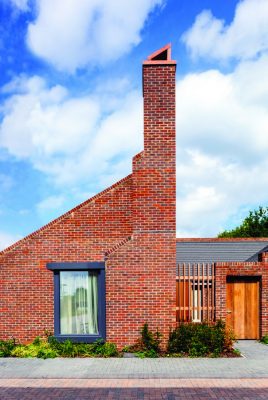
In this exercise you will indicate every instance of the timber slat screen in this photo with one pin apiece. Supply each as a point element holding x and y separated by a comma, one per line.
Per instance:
<point>195,292</point>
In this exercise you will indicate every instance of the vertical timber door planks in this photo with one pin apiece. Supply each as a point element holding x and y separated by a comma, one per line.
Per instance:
<point>243,306</point>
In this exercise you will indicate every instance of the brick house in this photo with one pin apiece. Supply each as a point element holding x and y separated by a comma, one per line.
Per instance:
<point>109,265</point>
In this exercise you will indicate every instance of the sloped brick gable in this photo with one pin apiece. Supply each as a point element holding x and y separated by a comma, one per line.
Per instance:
<point>130,225</point>
<point>83,234</point>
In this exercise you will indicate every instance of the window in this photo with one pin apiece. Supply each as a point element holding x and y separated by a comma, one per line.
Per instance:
<point>79,301</point>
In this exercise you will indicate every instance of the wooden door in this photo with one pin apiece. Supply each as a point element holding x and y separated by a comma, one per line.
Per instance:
<point>243,308</point>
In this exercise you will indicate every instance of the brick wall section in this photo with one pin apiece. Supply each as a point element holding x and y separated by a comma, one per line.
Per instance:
<point>83,234</point>
<point>131,225</point>
<point>143,287</point>
<point>243,269</point>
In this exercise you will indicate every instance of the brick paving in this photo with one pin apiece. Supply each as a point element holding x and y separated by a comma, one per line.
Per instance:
<point>133,389</point>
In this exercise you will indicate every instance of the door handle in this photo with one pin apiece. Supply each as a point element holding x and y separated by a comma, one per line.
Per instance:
<point>228,311</point>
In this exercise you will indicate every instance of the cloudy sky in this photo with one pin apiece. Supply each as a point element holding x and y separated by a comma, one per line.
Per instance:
<point>71,105</point>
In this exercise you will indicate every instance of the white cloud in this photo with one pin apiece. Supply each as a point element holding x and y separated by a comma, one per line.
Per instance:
<point>86,143</point>
<point>7,239</point>
<point>222,146</point>
<point>244,38</point>
<point>69,138</point>
<point>212,191</point>
<point>76,33</point>
<point>20,4</point>
<point>225,116</point>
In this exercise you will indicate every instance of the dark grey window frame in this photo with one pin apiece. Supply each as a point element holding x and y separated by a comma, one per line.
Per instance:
<point>98,267</point>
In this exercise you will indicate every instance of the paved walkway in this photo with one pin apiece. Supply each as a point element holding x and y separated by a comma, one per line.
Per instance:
<point>134,379</point>
<point>254,365</point>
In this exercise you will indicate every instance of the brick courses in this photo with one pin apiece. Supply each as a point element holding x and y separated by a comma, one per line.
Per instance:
<point>131,225</point>
<point>259,269</point>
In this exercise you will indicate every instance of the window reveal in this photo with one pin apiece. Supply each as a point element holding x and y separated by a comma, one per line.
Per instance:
<point>78,303</point>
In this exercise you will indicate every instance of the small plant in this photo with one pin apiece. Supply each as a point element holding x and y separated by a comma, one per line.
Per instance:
<point>150,340</point>
<point>50,347</point>
<point>264,339</point>
<point>147,354</point>
<point>148,345</point>
<point>37,341</point>
<point>107,350</point>
<point>38,348</point>
<point>237,352</point>
<point>6,347</point>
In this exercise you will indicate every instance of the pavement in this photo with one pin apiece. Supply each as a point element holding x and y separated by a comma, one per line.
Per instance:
<point>133,378</point>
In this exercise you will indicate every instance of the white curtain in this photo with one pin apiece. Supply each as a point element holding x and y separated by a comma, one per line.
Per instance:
<point>78,303</point>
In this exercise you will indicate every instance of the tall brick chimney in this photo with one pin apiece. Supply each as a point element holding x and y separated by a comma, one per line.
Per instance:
<point>141,275</point>
<point>155,194</point>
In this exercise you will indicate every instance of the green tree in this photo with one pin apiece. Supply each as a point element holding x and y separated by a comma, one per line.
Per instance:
<point>254,225</point>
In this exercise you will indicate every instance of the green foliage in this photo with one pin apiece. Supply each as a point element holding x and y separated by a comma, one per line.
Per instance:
<point>148,345</point>
<point>150,340</point>
<point>254,225</point>
<point>264,339</point>
<point>147,354</point>
<point>70,349</point>
<point>38,348</point>
<point>6,347</point>
<point>52,348</point>
<point>237,352</point>
<point>106,349</point>
<point>200,340</point>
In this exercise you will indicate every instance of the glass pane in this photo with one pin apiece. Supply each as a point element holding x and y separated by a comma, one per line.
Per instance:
<point>78,303</point>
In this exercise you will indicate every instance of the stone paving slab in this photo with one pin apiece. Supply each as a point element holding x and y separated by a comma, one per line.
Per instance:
<point>133,389</point>
<point>134,368</point>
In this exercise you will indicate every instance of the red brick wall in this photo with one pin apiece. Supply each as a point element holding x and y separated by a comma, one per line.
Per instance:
<point>143,287</point>
<point>84,234</point>
<point>243,269</point>
<point>141,272</point>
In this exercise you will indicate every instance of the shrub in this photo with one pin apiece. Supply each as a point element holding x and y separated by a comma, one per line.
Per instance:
<point>70,349</point>
<point>148,345</point>
<point>106,349</point>
<point>51,348</point>
<point>6,347</point>
<point>147,354</point>
<point>38,348</point>
<point>150,340</point>
<point>264,339</point>
<point>201,339</point>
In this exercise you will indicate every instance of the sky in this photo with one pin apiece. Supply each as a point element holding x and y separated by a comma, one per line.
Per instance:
<point>71,105</point>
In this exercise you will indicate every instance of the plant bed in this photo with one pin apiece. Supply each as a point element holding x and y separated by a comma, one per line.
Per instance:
<point>187,340</point>
<point>51,348</point>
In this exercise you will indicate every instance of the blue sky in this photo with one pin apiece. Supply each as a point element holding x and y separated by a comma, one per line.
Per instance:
<point>71,105</point>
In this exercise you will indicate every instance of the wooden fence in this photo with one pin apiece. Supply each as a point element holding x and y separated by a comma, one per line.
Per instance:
<point>195,292</point>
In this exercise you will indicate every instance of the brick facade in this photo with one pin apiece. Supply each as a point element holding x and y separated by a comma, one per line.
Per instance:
<point>130,225</point>
<point>259,269</point>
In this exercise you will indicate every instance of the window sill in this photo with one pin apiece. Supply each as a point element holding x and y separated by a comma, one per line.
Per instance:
<point>79,338</point>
